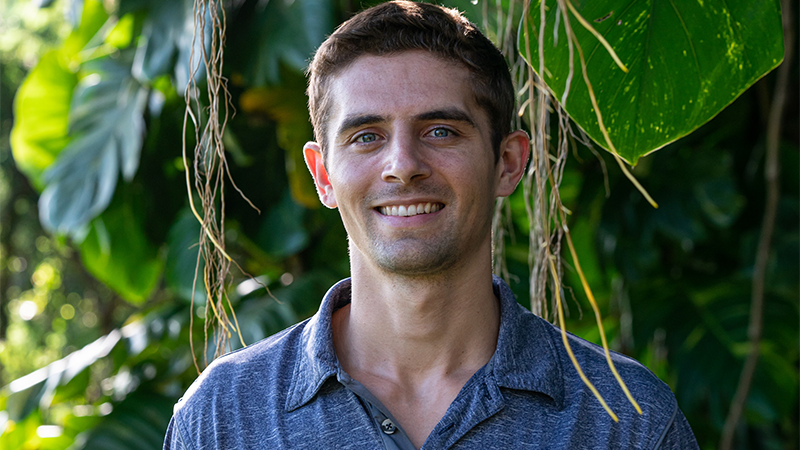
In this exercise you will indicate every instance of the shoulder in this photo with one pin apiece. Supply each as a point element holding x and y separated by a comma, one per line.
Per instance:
<point>247,375</point>
<point>659,409</point>
<point>595,365</point>
<point>238,391</point>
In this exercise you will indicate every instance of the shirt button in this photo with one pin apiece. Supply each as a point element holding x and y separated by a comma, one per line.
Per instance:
<point>388,426</point>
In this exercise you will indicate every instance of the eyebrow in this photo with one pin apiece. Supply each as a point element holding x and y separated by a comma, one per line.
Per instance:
<point>448,114</point>
<point>359,120</point>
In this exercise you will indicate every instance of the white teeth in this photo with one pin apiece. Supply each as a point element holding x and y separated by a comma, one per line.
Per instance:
<point>410,210</point>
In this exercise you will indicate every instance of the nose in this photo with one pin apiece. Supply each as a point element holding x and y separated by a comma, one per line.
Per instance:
<point>405,162</point>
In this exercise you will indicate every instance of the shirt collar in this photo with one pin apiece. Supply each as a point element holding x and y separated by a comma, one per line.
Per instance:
<point>316,359</point>
<point>525,358</point>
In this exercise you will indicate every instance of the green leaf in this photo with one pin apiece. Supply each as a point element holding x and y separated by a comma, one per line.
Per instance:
<point>285,32</point>
<point>687,61</point>
<point>92,18</point>
<point>138,422</point>
<point>585,245</point>
<point>21,435</point>
<point>282,233</point>
<point>292,135</point>
<point>287,106</point>
<point>67,379</point>
<point>41,112</point>
<point>167,42</point>
<point>117,252</point>
<point>26,394</point>
<point>123,32</point>
<point>106,118</point>
<point>128,6</point>
<point>179,272</point>
<point>42,103</point>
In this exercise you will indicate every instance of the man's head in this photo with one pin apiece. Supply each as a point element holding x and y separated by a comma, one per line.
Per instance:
<point>400,26</point>
<point>408,100</point>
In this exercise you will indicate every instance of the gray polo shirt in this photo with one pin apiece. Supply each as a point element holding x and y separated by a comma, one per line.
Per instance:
<point>288,392</point>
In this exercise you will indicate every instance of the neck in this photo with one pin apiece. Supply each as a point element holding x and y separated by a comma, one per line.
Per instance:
<point>412,329</point>
<point>415,341</point>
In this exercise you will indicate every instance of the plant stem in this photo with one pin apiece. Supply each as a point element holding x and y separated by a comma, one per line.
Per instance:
<point>772,181</point>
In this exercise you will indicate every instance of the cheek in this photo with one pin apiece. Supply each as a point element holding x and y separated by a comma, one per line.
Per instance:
<point>350,184</point>
<point>476,176</point>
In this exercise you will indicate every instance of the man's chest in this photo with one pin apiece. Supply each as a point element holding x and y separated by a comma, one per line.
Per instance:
<point>482,418</point>
<point>417,409</point>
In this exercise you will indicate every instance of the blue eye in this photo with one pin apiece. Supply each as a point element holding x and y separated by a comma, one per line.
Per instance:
<point>441,132</point>
<point>366,138</point>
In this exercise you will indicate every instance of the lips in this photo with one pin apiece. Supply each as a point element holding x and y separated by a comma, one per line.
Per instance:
<point>410,210</point>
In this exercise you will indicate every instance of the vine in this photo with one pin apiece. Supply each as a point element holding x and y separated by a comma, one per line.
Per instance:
<point>210,169</point>
<point>546,214</point>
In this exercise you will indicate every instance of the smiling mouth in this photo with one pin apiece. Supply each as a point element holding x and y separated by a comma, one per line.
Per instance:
<point>410,210</point>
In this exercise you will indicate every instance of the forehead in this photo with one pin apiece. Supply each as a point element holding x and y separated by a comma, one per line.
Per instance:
<point>399,85</point>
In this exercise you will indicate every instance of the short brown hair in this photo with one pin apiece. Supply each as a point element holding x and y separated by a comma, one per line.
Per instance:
<point>399,26</point>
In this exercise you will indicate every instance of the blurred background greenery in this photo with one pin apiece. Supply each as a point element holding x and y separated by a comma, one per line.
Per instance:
<point>95,298</point>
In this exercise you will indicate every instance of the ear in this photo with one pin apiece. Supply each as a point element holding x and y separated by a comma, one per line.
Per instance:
<point>316,165</point>
<point>514,151</point>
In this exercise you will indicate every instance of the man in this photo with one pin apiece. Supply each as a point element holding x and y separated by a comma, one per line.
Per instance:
<point>421,347</point>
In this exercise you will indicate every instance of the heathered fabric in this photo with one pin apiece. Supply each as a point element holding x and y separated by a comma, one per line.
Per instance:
<point>284,392</point>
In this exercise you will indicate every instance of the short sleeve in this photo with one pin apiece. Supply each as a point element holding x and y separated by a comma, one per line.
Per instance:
<point>173,439</point>
<point>679,435</point>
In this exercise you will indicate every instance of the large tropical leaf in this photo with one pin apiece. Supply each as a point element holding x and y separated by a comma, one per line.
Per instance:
<point>168,43</point>
<point>117,252</point>
<point>282,232</point>
<point>41,111</point>
<point>37,389</point>
<point>182,254</point>
<point>138,422</point>
<point>67,378</point>
<point>285,32</point>
<point>89,18</point>
<point>42,103</point>
<point>686,61</point>
<point>129,354</point>
<point>106,118</point>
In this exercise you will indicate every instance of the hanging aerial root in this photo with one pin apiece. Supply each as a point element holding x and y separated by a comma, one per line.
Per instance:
<point>191,200</point>
<point>597,316</point>
<point>560,311</point>
<point>548,222</point>
<point>210,172</point>
<point>239,329</point>
<point>191,305</point>
<point>635,181</point>
<point>599,36</point>
<point>213,307</point>
<point>602,126</point>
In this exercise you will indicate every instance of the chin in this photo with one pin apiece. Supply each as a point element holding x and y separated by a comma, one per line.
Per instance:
<point>430,261</point>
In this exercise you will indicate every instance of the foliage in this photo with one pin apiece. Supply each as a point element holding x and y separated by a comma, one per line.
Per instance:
<point>107,351</point>
<point>670,76</point>
<point>678,278</point>
<point>42,121</point>
<point>106,120</point>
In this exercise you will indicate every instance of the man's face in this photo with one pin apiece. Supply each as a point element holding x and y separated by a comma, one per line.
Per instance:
<point>409,163</point>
